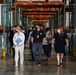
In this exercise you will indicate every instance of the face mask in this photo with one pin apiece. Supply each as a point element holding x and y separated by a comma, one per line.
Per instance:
<point>48,32</point>
<point>58,31</point>
<point>13,28</point>
<point>30,28</point>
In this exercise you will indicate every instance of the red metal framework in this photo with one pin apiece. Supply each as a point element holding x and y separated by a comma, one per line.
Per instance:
<point>1,1</point>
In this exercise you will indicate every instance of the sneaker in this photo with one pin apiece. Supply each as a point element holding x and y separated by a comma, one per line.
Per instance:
<point>16,65</point>
<point>39,64</point>
<point>21,63</point>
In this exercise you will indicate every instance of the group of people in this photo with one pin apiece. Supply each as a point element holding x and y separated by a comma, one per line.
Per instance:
<point>38,39</point>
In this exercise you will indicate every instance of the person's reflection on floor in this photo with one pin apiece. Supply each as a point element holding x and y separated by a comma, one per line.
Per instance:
<point>59,70</point>
<point>16,71</point>
<point>4,64</point>
<point>21,71</point>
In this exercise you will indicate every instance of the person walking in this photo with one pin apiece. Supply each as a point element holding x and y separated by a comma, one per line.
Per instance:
<point>29,41</point>
<point>47,43</point>
<point>37,42</point>
<point>59,41</point>
<point>18,41</point>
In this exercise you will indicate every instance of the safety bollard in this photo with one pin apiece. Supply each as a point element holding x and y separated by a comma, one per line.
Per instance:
<point>4,54</point>
<point>74,53</point>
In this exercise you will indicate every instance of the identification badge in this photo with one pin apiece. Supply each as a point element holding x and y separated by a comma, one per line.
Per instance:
<point>37,36</point>
<point>40,33</point>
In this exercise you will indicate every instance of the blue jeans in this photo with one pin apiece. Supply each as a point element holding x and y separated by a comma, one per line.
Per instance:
<point>35,47</point>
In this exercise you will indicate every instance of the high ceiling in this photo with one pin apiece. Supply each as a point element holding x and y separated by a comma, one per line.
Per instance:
<point>40,12</point>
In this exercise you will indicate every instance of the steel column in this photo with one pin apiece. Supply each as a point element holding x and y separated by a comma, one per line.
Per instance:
<point>16,14</point>
<point>6,24</point>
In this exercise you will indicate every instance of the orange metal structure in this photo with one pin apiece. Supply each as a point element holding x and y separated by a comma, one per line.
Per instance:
<point>40,11</point>
<point>1,1</point>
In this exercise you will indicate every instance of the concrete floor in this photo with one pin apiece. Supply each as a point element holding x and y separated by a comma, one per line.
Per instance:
<point>29,68</point>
